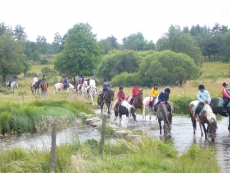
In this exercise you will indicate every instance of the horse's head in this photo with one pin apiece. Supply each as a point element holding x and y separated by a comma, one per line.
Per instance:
<point>111,94</point>
<point>16,85</point>
<point>212,129</point>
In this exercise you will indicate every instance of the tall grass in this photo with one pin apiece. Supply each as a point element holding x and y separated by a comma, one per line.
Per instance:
<point>122,156</point>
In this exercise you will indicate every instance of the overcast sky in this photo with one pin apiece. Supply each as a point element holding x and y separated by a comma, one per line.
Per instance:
<point>119,18</point>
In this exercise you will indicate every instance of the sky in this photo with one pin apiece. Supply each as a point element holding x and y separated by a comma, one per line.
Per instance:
<point>119,18</point>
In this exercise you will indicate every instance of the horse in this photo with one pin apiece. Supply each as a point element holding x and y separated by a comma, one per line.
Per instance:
<point>205,116</point>
<point>44,87</point>
<point>82,88</point>
<point>107,98</point>
<point>35,87</point>
<point>60,86</point>
<point>138,100</point>
<point>150,108</point>
<point>12,86</point>
<point>163,114</point>
<point>124,109</point>
<point>217,105</point>
<point>91,91</point>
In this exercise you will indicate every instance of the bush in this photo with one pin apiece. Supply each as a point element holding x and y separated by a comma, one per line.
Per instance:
<point>181,104</point>
<point>124,79</point>
<point>44,61</point>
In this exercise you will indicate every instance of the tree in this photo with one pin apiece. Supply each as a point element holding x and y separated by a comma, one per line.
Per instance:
<point>42,44</point>
<point>118,62</point>
<point>81,52</point>
<point>167,68</point>
<point>3,28</point>
<point>179,41</point>
<point>109,44</point>
<point>19,32</point>
<point>57,43</point>
<point>12,57</point>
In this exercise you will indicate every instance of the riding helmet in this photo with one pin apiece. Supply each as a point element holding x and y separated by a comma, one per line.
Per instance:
<point>105,80</point>
<point>167,90</point>
<point>155,84</point>
<point>120,88</point>
<point>135,84</point>
<point>201,87</point>
<point>225,84</point>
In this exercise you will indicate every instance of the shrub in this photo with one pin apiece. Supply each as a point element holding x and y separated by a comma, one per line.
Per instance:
<point>44,61</point>
<point>181,104</point>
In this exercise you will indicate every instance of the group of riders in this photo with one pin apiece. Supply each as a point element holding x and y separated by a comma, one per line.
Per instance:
<point>203,96</point>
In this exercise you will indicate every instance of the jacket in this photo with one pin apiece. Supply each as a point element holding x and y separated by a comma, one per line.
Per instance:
<point>105,86</point>
<point>154,93</point>
<point>204,96</point>
<point>121,96</point>
<point>11,80</point>
<point>224,93</point>
<point>135,91</point>
<point>163,97</point>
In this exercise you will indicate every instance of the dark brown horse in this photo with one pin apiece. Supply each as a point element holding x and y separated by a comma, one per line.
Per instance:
<point>107,99</point>
<point>163,114</point>
<point>205,116</point>
<point>217,105</point>
<point>35,87</point>
<point>44,87</point>
<point>138,100</point>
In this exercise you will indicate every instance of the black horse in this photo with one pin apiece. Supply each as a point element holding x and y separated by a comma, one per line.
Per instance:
<point>217,106</point>
<point>107,99</point>
<point>35,87</point>
<point>125,109</point>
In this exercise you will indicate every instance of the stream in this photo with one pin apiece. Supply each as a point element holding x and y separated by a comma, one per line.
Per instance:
<point>182,136</point>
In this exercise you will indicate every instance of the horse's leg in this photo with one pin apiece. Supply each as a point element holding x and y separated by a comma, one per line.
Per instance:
<point>201,129</point>
<point>159,121</point>
<point>116,115</point>
<point>143,112</point>
<point>102,106</point>
<point>120,118</point>
<point>108,108</point>
<point>229,122</point>
<point>205,131</point>
<point>194,126</point>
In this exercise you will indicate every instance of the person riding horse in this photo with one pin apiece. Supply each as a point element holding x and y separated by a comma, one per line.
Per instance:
<point>120,97</point>
<point>203,97</point>
<point>44,80</point>
<point>154,94</point>
<point>226,96</point>
<point>35,79</point>
<point>65,82</point>
<point>106,86</point>
<point>10,81</point>
<point>134,93</point>
<point>92,81</point>
<point>163,99</point>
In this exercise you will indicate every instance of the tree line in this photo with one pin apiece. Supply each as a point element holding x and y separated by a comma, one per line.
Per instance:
<point>136,59</point>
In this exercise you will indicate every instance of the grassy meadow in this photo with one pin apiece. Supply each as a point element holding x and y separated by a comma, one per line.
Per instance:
<point>123,156</point>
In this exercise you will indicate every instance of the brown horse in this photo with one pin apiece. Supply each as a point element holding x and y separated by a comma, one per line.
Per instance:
<point>163,114</point>
<point>107,99</point>
<point>205,116</point>
<point>44,87</point>
<point>138,100</point>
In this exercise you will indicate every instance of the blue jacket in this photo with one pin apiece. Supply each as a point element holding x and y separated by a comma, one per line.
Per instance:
<point>65,81</point>
<point>106,86</point>
<point>204,96</point>
<point>10,80</point>
<point>163,97</point>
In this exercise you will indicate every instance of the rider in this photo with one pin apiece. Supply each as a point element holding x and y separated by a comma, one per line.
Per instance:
<point>79,79</point>
<point>106,86</point>
<point>10,81</point>
<point>65,82</point>
<point>154,94</point>
<point>135,91</point>
<point>163,98</point>
<point>44,79</point>
<point>203,97</point>
<point>35,79</point>
<point>92,81</point>
<point>226,96</point>
<point>120,96</point>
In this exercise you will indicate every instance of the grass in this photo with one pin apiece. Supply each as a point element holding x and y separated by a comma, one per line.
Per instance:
<point>147,156</point>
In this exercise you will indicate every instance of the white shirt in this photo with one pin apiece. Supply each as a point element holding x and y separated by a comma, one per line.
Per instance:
<point>35,79</point>
<point>92,82</point>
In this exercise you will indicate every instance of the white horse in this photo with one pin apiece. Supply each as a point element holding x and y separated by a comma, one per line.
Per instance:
<point>91,91</point>
<point>150,109</point>
<point>12,86</point>
<point>60,86</point>
<point>82,88</point>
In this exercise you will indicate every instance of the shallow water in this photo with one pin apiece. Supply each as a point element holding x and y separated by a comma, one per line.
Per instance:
<point>182,136</point>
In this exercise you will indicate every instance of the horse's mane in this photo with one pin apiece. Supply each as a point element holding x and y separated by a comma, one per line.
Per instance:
<point>209,112</point>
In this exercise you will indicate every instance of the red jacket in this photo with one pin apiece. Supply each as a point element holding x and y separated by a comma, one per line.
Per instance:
<point>224,93</point>
<point>121,96</point>
<point>135,91</point>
